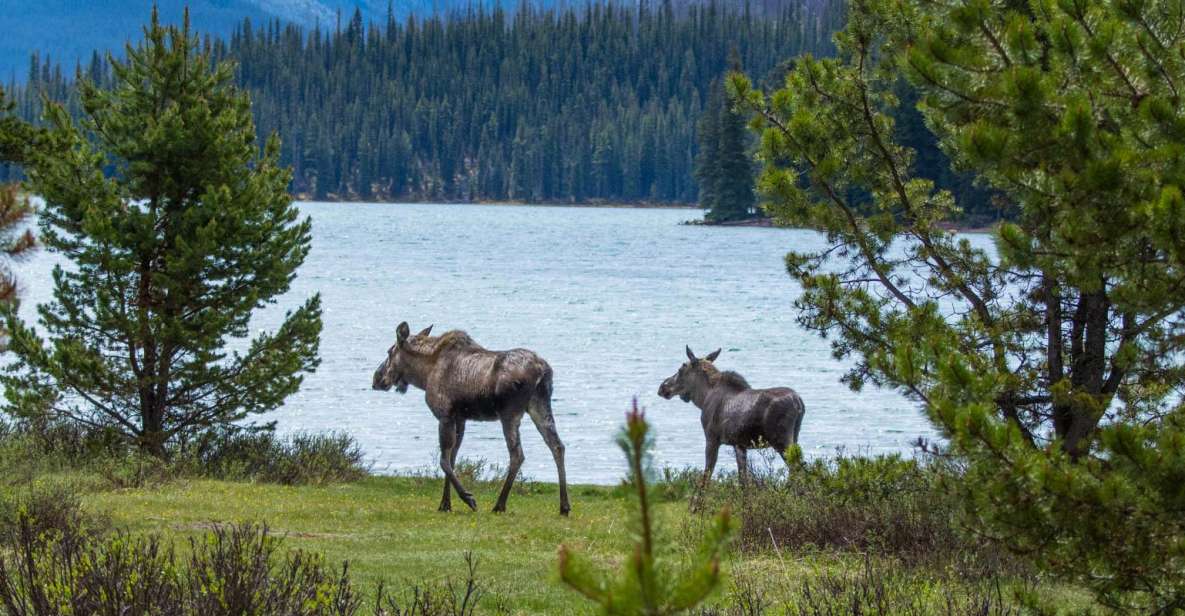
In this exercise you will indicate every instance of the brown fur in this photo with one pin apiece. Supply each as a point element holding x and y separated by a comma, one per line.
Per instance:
<point>733,413</point>
<point>463,381</point>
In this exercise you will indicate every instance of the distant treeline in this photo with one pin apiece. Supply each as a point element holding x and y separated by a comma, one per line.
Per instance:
<point>595,103</point>
<point>570,105</point>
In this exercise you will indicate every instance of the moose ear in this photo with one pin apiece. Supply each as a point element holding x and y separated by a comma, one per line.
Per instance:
<point>402,332</point>
<point>691,355</point>
<point>426,331</point>
<point>713,355</point>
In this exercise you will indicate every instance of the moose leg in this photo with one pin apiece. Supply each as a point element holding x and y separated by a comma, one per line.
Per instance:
<point>540,410</point>
<point>710,452</point>
<point>742,464</point>
<point>446,501</point>
<point>448,444</point>
<point>514,445</point>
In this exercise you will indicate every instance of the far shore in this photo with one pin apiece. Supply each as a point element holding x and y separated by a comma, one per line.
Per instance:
<point>640,205</point>
<point>764,223</point>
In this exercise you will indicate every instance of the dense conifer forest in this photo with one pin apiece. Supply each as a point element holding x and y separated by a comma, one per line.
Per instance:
<point>563,105</point>
<point>569,104</point>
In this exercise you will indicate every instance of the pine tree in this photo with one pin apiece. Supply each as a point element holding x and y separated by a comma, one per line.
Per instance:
<point>723,166</point>
<point>734,185</point>
<point>707,158</point>
<point>1053,366</point>
<point>649,585</point>
<point>16,239</point>
<point>177,228</point>
<point>17,137</point>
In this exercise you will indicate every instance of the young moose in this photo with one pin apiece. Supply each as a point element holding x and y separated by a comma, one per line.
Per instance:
<point>463,381</point>
<point>732,413</point>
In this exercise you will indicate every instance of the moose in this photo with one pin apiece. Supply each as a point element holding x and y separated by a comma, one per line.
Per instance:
<point>463,381</point>
<point>733,413</point>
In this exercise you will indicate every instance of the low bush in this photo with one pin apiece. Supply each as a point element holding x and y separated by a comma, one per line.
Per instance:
<point>28,450</point>
<point>51,512</point>
<point>885,505</point>
<point>873,587</point>
<point>230,571</point>
<point>447,599</point>
<point>300,458</point>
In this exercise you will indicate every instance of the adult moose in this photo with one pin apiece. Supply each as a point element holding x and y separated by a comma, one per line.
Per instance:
<point>463,381</point>
<point>733,413</point>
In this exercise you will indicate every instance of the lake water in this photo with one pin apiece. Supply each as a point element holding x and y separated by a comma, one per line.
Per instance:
<point>609,297</point>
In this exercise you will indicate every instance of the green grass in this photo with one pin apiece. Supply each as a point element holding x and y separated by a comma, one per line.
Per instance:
<point>389,530</point>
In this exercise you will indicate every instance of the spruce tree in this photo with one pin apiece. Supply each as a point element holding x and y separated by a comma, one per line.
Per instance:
<point>1054,364</point>
<point>707,158</point>
<point>177,229</point>
<point>735,199</point>
<point>723,165</point>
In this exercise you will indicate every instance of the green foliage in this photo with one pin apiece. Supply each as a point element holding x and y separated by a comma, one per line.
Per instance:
<point>650,584</point>
<point>1052,364</point>
<point>723,166</point>
<point>17,139</point>
<point>299,459</point>
<point>480,106</point>
<point>106,460</point>
<point>177,229</point>
<point>871,587</point>
<point>887,506</point>
<point>59,560</point>
<point>47,512</point>
<point>230,570</point>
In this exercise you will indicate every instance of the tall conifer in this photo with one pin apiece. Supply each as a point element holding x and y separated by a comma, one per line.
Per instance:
<point>177,229</point>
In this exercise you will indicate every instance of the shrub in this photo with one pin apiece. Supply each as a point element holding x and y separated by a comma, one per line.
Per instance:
<point>886,505</point>
<point>233,570</point>
<point>50,512</point>
<point>58,565</point>
<point>28,449</point>
<point>301,458</point>
<point>446,599</point>
<point>237,570</point>
<point>872,588</point>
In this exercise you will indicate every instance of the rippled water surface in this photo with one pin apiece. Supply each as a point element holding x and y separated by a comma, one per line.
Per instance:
<point>608,296</point>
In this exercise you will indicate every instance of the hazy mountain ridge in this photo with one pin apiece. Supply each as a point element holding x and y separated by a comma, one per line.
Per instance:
<point>68,31</point>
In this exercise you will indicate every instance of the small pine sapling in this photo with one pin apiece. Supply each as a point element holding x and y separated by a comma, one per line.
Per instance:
<point>649,585</point>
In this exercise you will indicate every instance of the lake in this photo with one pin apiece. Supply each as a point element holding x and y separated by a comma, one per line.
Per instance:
<point>608,296</point>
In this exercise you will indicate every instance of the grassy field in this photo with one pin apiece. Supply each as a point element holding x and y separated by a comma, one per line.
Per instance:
<point>389,531</point>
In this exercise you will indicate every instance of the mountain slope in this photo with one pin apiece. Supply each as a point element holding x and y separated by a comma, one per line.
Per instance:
<point>68,30</point>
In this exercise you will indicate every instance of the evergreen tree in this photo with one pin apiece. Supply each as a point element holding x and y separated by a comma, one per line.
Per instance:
<point>723,166</point>
<point>735,199</point>
<point>649,585</point>
<point>16,239</point>
<point>1054,367</point>
<point>178,229</point>
<point>17,137</point>
<point>630,76</point>
<point>707,159</point>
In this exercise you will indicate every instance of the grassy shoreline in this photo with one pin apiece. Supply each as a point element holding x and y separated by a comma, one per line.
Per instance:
<point>389,531</point>
<point>873,535</point>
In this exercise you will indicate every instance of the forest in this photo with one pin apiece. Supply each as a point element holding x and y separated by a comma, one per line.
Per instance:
<point>598,103</point>
<point>561,105</point>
